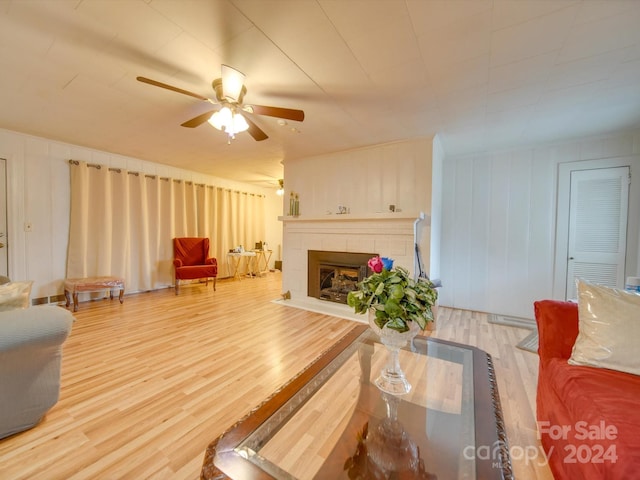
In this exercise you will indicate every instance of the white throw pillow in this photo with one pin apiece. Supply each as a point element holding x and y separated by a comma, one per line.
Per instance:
<point>608,329</point>
<point>15,295</point>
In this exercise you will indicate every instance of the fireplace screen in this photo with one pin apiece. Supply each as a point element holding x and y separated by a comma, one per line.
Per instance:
<point>337,281</point>
<point>332,275</point>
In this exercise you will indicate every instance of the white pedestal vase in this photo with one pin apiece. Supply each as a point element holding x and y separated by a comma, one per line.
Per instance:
<point>392,379</point>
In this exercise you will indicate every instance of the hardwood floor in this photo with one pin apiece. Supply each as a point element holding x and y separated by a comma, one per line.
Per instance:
<point>147,385</point>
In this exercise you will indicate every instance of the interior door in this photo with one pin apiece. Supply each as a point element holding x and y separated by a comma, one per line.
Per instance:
<point>4,263</point>
<point>598,208</point>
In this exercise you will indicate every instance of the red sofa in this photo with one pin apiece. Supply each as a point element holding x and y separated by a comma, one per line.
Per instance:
<point>588,418</point>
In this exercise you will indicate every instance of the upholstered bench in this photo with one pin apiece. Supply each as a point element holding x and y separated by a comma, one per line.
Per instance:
<point>73,286</point>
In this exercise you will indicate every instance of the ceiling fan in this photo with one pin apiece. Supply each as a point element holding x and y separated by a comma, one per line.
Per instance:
<point>230,91</point>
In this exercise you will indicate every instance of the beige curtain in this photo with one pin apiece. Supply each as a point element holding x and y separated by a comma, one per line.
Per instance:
<point>123,223</point>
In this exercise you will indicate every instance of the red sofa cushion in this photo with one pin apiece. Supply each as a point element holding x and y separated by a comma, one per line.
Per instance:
<point>602,420</point>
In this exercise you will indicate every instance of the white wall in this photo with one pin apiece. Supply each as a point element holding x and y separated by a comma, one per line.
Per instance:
<point>38,192</point>
<point>499,221</point>
<point>273,226</point>
<point>365,180</point>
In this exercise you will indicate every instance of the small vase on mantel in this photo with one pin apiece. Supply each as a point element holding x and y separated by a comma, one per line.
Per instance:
<point>392,378</point>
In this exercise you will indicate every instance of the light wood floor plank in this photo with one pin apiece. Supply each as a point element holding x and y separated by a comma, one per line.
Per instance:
<point>147,385</point>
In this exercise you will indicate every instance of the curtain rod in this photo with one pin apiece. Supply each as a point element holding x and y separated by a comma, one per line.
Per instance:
<point>153,177</point>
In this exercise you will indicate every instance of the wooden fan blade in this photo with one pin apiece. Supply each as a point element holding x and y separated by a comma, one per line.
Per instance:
<point>172,88</point>
<point>197,121</point>
<point>288,113</point>
<point>255,131</point>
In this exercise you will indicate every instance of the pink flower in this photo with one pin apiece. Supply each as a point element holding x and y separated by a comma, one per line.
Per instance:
<point>375,264</point>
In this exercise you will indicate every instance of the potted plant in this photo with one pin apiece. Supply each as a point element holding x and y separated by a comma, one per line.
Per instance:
<point>394,297</point>
<point>398,307</point>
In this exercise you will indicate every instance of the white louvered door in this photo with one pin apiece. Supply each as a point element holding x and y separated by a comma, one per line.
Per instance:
<point>598,206</point>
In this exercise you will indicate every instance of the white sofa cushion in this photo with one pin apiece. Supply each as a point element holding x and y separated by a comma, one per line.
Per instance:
<point>15,295</point>
<point>608,329</point>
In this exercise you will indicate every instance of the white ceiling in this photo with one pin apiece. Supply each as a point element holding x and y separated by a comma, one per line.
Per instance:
<point>484,74</point>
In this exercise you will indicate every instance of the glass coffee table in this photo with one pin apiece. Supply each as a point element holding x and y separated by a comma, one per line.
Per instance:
<point>332,422</point>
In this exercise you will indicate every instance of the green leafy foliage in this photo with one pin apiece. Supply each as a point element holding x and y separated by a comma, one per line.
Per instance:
<point>396,299</point>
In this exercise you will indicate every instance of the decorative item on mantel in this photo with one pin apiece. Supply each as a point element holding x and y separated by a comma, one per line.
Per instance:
<point>398,307</point>
<point>294,204</point>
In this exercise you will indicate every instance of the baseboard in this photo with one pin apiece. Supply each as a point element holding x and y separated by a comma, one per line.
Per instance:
<point>518,322</point>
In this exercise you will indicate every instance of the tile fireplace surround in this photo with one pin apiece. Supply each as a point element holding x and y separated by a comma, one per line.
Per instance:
<point>388,234</point>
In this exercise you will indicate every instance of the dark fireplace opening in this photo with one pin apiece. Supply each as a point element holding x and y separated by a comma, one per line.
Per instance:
<point>332,275</point>
<point>336,281</point>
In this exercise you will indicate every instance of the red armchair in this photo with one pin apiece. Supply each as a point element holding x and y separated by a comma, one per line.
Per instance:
<point>192,261</point>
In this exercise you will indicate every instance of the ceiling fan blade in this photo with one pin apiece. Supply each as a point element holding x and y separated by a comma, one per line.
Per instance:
<point>199,120</point>
<point>288,113</point>
<point>155,83</point>
<point>255,131</point>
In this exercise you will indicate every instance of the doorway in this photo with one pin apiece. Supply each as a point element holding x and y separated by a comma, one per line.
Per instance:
<point>598,206</point>
<point>593,204</point>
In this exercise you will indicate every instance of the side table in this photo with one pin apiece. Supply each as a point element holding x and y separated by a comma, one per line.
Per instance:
<point>263,257</point>
<point>235,260</point>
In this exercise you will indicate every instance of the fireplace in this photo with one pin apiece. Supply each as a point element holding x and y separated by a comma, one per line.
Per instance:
<point>332,275</point>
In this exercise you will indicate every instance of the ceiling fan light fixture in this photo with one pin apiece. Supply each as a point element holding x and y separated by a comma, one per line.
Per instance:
<point>239,123</point>
<point>228,121</point>
<point>232,82</point>
<point>221,118</point>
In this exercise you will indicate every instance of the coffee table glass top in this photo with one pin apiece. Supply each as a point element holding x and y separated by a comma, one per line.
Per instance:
<point>338,424</point>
